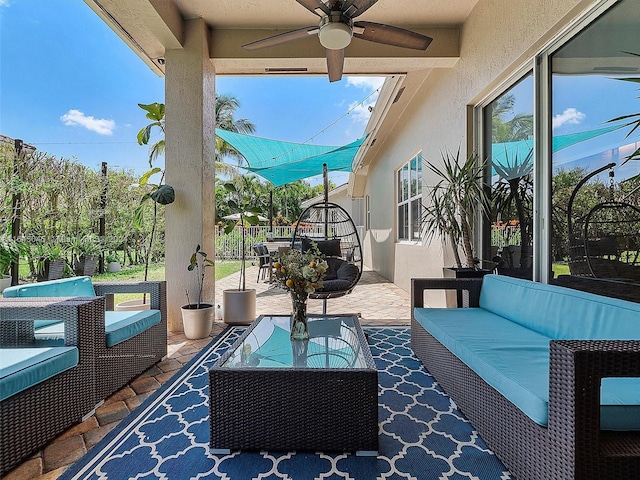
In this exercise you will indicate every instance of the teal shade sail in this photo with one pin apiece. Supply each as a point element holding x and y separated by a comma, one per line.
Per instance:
<point>512,156</point>
<point>283,162</point>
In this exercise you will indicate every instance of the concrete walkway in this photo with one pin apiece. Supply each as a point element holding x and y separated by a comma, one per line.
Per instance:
<point>378,301</point>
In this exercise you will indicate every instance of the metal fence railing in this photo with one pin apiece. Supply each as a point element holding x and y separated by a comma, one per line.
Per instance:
<point>504,235</point>
<point>229,245</point>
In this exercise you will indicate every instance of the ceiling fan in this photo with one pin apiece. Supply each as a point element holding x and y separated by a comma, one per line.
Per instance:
<point>336,29</point>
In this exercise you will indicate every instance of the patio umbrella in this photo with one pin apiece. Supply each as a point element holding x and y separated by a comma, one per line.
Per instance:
<point>236,216</point>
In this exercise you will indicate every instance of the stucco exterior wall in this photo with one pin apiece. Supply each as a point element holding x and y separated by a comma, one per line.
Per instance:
<point>498,37</point>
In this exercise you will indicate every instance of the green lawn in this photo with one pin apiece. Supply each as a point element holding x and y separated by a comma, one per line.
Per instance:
<point>156,272</point>
<point>560,268</point>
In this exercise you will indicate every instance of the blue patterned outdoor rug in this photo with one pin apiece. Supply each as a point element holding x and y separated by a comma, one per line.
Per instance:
<point>422,434</point>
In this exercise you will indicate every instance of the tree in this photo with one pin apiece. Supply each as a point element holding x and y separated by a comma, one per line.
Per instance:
<point>226,107</point>
<point>633,120</point>
<point>160,193</point>
<point>508,126</point>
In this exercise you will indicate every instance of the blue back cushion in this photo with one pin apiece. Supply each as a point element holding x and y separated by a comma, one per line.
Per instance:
<point>560,313</point>
<point>65,287</point>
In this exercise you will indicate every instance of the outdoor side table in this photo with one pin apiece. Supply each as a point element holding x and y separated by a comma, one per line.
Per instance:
<point>269,392</point>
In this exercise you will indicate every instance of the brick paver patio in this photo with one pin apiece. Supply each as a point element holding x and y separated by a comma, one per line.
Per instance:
<point>376,299</point>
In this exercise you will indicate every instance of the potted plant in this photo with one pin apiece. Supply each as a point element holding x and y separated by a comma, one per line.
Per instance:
<point>113,264</point>
<point>86,253</point>
<point>10,251</point>
<point>454,203</point>
<point>197,317</point>
<point>47,262</point>
<point>240,304</point>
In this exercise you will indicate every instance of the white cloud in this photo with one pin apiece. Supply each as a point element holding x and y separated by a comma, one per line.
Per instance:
<point>5,3</point>
<point>75,118</point>
<point>569,116</point>
<point>366,83</point>
<point>360,112</point>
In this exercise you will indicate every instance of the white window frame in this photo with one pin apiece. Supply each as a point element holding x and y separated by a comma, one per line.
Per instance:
<point>413,194</point>
<point>539,63</point>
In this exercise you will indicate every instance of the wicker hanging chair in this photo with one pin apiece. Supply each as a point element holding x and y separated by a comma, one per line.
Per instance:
<point>332,229</point>
<point>605,243</point>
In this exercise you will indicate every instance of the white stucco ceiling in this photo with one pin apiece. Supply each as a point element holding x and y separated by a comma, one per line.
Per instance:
<point>287,13</point>
<point>152,26</point>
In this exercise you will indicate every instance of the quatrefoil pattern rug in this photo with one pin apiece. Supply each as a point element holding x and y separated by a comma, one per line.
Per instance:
<point>422,434</point>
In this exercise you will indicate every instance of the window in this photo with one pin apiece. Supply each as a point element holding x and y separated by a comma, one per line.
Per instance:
<point>367,225</point>
<point>583,218</point>
<point>409,185</point>
<point>508,144</point>
<point>595,241</point>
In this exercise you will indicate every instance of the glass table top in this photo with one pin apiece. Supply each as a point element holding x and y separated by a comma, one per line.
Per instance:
<point>333,344</point>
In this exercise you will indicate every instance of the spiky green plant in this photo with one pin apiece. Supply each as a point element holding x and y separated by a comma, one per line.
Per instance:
<point>455,202</point>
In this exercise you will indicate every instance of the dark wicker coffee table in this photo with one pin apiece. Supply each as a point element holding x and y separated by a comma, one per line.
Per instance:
<point>271,393</point>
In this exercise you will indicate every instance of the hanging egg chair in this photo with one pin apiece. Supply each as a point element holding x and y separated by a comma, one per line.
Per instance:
<point>605,243</point>
<point>330,227</point>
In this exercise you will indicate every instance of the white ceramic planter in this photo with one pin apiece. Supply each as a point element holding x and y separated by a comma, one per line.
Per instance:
<point>114,267</point>
<point>197,321</point>
<point>239,306</point>
<point>132,305</point>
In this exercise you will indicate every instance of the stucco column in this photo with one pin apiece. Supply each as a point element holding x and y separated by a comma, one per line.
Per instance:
<point>189,165</point>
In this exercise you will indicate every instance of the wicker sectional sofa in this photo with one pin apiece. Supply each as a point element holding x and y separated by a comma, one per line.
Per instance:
<point>525,364</point>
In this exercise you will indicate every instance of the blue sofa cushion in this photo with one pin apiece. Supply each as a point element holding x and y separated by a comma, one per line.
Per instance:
<point>40,324</point>
<point>515,361</point>
<point>65,287</point>
<point>560,313</point>
<point>119,326</point>
<point>21,368</point>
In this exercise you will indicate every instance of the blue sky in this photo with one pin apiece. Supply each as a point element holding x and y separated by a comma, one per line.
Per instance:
<point>70,87</point>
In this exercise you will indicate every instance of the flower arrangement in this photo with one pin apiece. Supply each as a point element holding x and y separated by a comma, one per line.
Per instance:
<point>300,273</point>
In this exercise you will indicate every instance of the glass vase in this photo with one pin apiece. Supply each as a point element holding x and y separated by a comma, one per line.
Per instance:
<point>299,330</point>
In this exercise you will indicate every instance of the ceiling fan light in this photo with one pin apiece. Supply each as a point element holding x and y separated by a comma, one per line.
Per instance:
<point>335,35</point>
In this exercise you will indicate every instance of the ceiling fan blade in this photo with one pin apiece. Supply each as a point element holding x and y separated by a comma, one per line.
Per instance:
<point>335,64</point>
<point>389,35</point>
<point>282,38</point>
<point>314,5</point>
<point>354,8</point>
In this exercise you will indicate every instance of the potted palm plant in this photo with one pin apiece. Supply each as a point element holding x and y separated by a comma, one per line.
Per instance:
<point>454,203</point>
<point>86,253</point>
<point>47,261</point>
<point>197,316</point>
<point>240,304</point>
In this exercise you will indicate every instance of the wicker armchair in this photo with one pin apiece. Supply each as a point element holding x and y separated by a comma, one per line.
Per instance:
<point>32,417</point>
<point>117,365</point>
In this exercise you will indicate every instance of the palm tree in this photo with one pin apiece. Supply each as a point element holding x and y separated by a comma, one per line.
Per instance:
<point>226,107</point>
<point>518,127</point>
